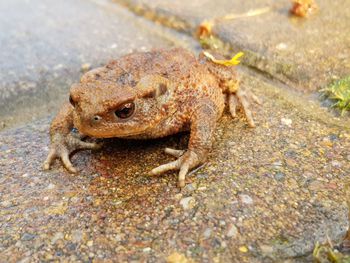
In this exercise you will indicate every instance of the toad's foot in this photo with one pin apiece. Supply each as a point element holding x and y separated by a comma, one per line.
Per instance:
<point>243,98</point>
<point>185,162</point>
<point>62,146</point>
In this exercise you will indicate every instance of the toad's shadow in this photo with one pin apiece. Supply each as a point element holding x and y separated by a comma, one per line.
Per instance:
<point>120,171</point>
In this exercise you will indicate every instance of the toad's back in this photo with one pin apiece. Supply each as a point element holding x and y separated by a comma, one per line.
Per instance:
<point>173,64</point>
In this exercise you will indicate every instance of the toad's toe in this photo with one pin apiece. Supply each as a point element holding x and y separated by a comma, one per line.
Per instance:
<point>185,162</point>
<point>174,152</point>
<point>67,163</point>
<point>245,99</point>
<point>165,168</point>
<point>50,158</point>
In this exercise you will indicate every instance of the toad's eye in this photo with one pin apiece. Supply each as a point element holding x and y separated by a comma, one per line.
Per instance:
<point>71,101</point>
<point>125,110</point>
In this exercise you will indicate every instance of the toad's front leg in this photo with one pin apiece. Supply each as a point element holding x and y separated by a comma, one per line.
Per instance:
<point>63,140</point>
<point>203,122</point>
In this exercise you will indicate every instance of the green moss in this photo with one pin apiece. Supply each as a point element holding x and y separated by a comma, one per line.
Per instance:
<point>339,92</point>
<point>325,253</point>
<point>212,42</point>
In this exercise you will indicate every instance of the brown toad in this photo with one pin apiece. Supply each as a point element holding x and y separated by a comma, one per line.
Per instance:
<point>149,95</point>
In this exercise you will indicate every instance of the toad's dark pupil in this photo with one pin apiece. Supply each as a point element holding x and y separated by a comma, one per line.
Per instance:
<point>125,110</point>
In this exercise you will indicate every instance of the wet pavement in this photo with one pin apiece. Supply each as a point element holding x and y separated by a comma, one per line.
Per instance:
<point>265,195</point>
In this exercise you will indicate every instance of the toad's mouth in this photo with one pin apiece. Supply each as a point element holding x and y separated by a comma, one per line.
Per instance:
<point>109,130</point>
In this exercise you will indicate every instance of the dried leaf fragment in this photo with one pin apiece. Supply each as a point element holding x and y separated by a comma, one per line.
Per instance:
<point>303,8</point>
<point>205,29</point>
<point>228,63</point>
<point>250,13</point>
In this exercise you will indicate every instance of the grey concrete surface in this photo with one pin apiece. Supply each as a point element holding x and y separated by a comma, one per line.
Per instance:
<point>305,53</point>
<point>308,53</point>
<point>266,194</point>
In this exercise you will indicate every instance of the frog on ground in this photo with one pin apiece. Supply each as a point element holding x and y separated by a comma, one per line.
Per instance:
<point>146,95</point>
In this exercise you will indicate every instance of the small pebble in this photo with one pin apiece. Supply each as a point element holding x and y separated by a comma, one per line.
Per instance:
<point>147,250</point>
<point>59,253</point>
<point>51,186</point>
<point>189,188</point>
<point>28,236</point>
<point>287,122</point>
<point>187,202</point>
<point>246,199</point>
<point>202,176</point>
<point>281,46</point>
<point>326,142</point>
<point>336,164</point>
<point>85,67</point>
<point>57,236</point>
<point>232,231</point>
<point>280,176</point>
<point>71,246</point>
<point>178,196</point>
<point>207,232</point>
<point>77,236</point>
<point>333,137</point>
<point>266,249</point>
<point>118,238</point>
<point>277,164</point>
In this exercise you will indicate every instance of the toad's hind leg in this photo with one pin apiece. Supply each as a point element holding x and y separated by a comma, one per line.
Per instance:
<point>203,124</point>
<point>243,99</point>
